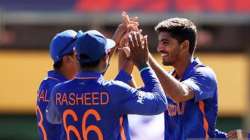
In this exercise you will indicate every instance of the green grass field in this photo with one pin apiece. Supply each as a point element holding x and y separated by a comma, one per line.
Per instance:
<point>23,127</point>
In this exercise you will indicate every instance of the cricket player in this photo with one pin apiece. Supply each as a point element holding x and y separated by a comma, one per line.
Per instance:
<point>191,87</point>
<point>90,107</point>
<point>65,67</point>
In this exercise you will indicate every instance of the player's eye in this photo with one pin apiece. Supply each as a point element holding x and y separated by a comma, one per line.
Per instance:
<point>165,43</point>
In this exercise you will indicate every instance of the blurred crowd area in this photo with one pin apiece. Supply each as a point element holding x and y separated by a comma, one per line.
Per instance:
<point>26,28</point>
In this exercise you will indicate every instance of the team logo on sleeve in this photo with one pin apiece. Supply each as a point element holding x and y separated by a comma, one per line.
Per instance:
<point>142,95</point>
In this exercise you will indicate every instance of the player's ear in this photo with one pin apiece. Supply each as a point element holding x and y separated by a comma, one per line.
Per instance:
<point>185,46</point>
<point>67,58</point>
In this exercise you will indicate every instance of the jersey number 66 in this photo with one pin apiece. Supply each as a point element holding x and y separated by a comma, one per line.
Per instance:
<point>85,130</point>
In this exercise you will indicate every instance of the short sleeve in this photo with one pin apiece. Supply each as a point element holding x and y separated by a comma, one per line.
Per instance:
<point>203,83</point>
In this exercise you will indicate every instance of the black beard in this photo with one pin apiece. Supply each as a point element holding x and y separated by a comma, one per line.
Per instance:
<point>167,63</point>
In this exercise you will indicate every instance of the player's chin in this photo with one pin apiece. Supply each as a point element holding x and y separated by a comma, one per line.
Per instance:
<point>166,63</point>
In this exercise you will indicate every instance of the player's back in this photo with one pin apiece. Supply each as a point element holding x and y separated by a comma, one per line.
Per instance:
<point>89,110</point>
<point>46,130</point>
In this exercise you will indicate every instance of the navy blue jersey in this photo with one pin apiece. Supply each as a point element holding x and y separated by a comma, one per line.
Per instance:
<point>90,107</point>
<point>46,130</point>
<point>195,118</point>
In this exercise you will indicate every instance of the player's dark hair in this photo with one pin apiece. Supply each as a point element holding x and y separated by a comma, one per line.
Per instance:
<point>88,64</point>
<point>181,29</point>
<point>57,65</point>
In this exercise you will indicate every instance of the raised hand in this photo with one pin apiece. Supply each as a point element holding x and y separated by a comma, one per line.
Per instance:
<point>128,24</point>
<point>139,49</point>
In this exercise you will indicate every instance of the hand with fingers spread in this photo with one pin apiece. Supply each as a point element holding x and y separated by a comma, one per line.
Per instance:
<point>124,60</point>
<point>139,49</point>
<point>131,27</point>
<point>128,24</point>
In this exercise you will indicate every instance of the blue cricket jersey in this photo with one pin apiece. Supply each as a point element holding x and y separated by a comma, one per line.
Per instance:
<point>92,108</point>
<point>195,118</point>
<point>46,130</point>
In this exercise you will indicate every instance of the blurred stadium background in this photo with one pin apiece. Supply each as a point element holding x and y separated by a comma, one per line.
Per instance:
<point>26,27</point>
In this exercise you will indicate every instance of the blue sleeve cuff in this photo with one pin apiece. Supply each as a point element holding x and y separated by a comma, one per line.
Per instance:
<point>123,76</point>
<point>219,134</point>
<point>248,135</point>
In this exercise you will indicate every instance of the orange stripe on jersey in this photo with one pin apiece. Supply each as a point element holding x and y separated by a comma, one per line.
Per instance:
<point>122,132</point>
<point>85,78</point>
<point>205,122</point>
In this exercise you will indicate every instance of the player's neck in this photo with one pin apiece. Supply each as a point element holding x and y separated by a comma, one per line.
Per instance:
<point>90,69</point>
<point>181,66</point>
<point>65,73</point>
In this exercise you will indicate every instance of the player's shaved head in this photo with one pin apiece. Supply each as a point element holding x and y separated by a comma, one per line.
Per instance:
<point>181,29</point>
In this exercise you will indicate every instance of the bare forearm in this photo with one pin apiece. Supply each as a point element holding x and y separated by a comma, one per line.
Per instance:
<point>172,87</point>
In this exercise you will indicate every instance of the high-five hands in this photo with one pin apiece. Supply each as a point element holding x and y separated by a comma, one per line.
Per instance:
<point>121,36</point>
<point>138,45</point>
<point>128,24</point>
